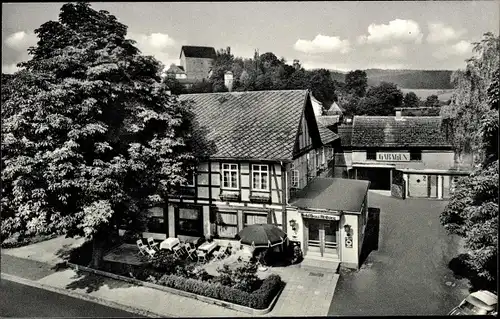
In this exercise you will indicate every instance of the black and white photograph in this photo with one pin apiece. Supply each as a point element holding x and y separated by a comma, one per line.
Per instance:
<point>249,159</point>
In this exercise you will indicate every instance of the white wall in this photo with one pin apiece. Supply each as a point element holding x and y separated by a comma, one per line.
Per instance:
<point>349,256</point>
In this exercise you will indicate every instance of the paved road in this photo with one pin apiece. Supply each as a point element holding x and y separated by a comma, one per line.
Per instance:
<point>17,300</point>
<point>408,274</point>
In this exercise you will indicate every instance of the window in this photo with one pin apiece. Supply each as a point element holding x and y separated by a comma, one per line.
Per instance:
<point>371,155</point>
<point>415,155</point>
<point>230,176</point>
<point>260,177</point>
<point>191,178</point>
<point>189,222</point>
<point>155,221</point>
<point>255,218</point>
<point>318,158</point>
<point>294,176</point>
<point>323,158</point>
<point>227,224</point>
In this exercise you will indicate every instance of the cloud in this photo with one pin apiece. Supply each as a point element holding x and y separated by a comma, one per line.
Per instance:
<point>393,52</point>
<point>9,68</point>
<point>160,45</point>
<point>322,43</point>
<point>440,33</point>
<point>398,29</point>
<point>460,48</point>
<point>21,40</point>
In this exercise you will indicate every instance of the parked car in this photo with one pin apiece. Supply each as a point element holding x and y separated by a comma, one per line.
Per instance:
<point>481,302</point>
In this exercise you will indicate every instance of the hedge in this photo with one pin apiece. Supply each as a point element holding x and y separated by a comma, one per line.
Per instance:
<point>259,299</point>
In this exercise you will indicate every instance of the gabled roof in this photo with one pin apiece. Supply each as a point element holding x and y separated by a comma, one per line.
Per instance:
<point>345,134</point>
<point>191,51</point>
<point>328,120</point>
<point>177,69</point>
<point>387,131</point>
<point>326,134</point>
<point>250,125</point>
<point>332,194</point>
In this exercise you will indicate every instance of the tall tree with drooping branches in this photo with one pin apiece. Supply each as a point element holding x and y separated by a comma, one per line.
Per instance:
<point>472,212</point>
<point>90,137</point>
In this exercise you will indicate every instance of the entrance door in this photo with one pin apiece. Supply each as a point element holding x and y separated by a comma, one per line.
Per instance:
<point>323,237</point>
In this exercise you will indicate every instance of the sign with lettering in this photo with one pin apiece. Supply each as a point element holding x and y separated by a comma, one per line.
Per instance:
<point>320,216</point>
<point>393,157</point>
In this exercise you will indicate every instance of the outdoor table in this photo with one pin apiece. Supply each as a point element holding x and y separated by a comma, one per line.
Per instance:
<point>169,243</point>
<point>208,247</point>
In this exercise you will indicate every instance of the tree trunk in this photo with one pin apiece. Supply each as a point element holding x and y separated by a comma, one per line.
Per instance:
<point>98,245</point>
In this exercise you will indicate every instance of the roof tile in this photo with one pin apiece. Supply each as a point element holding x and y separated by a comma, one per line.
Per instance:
<point>257,124</point>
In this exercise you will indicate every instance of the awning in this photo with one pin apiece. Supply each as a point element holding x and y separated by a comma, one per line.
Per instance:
<point>374,165</point>
<point>434,171</point>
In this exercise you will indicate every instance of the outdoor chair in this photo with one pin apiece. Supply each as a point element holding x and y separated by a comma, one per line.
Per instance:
<point>152,244</point>
<point>145,250</point>
<point>191,251</point>
<point>202,256</point>
<point>221,253</point>
<point>178,251</point>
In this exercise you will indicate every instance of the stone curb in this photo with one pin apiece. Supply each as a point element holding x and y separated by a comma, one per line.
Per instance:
<point>99,300</point>
<point>225,304</point>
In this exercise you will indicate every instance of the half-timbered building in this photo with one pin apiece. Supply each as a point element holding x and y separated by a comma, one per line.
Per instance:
<point>273,163</point>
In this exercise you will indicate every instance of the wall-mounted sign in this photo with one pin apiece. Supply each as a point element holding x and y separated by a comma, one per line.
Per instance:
<point>393,157</point>
<point>348,242</point>
<point>320,216</point>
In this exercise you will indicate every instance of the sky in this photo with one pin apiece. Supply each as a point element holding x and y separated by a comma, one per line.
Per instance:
<point>339,35</point>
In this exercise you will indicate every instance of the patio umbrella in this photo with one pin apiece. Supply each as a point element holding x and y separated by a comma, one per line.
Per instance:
<point>262,235</point>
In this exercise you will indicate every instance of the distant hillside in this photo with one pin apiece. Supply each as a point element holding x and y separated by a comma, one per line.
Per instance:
<point>410,79</point>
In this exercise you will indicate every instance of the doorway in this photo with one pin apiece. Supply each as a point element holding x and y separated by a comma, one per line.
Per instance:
<point>323,237</point>
<point>380,178</point>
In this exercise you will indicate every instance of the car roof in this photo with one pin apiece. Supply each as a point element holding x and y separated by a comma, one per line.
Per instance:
<point>485,296</point>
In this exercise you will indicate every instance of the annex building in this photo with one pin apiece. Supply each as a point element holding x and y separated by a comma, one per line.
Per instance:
<point>411,156</point>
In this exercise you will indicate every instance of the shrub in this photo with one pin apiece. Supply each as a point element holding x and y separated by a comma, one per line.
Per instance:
<point>165,262</point>
<point>259,299</point>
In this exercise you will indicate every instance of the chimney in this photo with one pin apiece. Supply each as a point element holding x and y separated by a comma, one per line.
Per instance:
<point>398,114</point>
<point>228,80</point>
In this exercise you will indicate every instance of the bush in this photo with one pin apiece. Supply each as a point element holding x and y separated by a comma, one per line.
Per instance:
<point>259,299</point>
<point>165,262</point>
<point>18,240</point>
<point>243,278</point>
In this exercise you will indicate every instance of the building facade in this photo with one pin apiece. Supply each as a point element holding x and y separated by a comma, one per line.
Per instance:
<point>197,61</point>
<point>410,156</point>
<point>271,156</point>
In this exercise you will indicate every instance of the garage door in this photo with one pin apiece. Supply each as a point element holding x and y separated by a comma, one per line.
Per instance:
<point>417,185</point>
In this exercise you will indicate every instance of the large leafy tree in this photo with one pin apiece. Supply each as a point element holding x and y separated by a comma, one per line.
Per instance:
<point>90,139</point>
<point>469,102</point>
<point>411,100</point>
<point>472,212</point>
<point>356,82</point>
<point>381,100</point>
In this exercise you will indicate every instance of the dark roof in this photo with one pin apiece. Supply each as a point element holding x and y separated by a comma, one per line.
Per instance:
<point>328,120</point>
<point>257,125</point>
<point>387,131</point>
<point>326,134</point>
<point>333,194</point>
<point>191,51</point>
<point>345,133</point>
<point>176,69</point>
